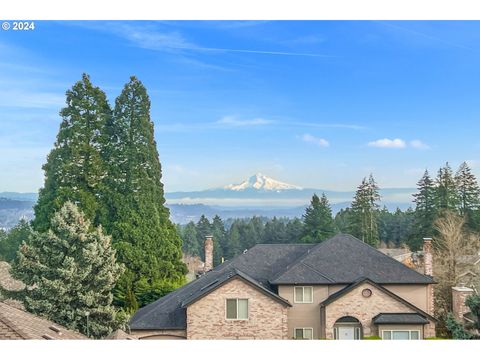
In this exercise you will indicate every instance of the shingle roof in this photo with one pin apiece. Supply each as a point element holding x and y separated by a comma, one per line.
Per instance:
<point>261,263</point>
<point>19,324</point>
<point>343,259</point>
<point>339,260</point>
<point>399,318</point>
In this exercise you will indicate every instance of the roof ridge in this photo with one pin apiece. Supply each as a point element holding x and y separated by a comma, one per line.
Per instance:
<point>299,259</point>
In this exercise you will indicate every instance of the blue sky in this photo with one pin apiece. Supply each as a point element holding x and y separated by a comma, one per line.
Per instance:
<point>314,103</point>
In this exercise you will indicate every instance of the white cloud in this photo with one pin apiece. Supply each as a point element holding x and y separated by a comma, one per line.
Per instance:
<point>417,144</point>
<point>315,140</point>
<point>388,143</point>
<point>398,144</point>
<point>236,122</point>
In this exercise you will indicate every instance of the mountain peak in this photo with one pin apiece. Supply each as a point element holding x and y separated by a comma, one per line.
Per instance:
<point>260,181</point>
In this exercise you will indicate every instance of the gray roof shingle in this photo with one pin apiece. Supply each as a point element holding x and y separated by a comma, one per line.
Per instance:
<point>399,318</point>
<point>343,259</point>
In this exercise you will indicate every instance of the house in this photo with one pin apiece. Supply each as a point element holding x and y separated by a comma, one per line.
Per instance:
<point>17,324</point>
<point>341,288</point>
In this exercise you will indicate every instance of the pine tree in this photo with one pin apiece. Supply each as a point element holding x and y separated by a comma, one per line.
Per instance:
<point>234,247</point>
<point>10,243</point>
<point>294,231</point>
<point>69,273</point>
<point>426,212</point>
<point>189,239</point>
<point>318,221</point>
<point>365,211</point>
<point>468,195</point>
<point>219,235</point>
<point>75,167</point>
<point>446,193</point>
<point>204,228</point>
<point>135,214</point>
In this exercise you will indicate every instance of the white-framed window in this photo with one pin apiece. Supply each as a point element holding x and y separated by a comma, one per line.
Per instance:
<point>400,334</point>
<point>236,309</point>
<point>303,294</point>
<point>303,333</point>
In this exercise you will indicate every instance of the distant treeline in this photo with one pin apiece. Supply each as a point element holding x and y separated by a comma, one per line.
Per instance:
<point>458,192</point>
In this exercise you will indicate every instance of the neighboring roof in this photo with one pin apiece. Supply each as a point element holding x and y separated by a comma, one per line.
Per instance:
<point>399,318</point>
<point>120,335</point>
<point>260,264</point>
<point>19,324</point>
<point>362,281</point>
<point>6,280</point>
<point>342,259</point>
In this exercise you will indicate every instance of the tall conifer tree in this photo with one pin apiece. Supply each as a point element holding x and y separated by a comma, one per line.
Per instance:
<point>426,211</point>
<point>446,194</point>
<point>136,216</point>
<point>468,195</point>
<point>365,212</point>
<point>318,224</point>
<point>75,168</point>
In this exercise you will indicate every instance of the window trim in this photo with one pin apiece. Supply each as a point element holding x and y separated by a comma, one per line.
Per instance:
<point>303,333</point>
<point>404,330</point>
<point>303,293</point>
<point>237,319</point>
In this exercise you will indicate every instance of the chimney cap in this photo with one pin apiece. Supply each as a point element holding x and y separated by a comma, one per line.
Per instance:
<point>208,236</point>
<point>427,239</point>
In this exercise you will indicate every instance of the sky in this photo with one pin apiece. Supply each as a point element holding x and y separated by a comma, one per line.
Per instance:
<point>318,104</point>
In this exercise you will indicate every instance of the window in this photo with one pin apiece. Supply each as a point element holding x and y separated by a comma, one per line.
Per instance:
<point>303,333</point>
<point>237,309</point>
<point>400,334</point>
<point>303,294</point>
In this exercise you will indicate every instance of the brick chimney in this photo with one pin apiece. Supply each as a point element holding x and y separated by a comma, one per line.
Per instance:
<point>428,270</point>
<point>208,253</point>
<point>428,256</point>
<point>459,295</point>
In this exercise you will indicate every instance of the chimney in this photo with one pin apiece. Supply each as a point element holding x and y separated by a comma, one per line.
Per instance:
<point>428,256</point>
<point>208,253</point>
<point>459,295</point>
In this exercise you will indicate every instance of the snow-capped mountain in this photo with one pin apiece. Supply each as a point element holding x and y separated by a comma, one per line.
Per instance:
<point>262,182</point>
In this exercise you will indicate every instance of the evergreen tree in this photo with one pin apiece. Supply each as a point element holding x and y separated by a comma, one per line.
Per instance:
<point>75,167</point>
<point>135,213</point>
<point>219,235</point>
<point>446,193</point>
<point>365,212</point>
<point>318,221</point>
<point>69,273</point>
<point>10,243</point>
<point>234,246</point>
<point>294,231</point>
<point>274,232</point>
<point>426,212</point>
<point>204,228</point>
<point>468,195</point>
<point>189,240</point>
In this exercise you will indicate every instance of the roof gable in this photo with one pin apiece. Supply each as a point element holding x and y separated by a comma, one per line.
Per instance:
<point>332,298</point>
<point>234,274</point>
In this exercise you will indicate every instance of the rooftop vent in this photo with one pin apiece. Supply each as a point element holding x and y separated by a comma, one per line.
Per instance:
<point>56,329</point>
<point>48,337</point>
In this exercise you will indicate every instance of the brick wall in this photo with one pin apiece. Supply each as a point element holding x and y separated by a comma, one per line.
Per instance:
<point>459,295</point>
<point>364,309</point>
<point>206,318</point>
